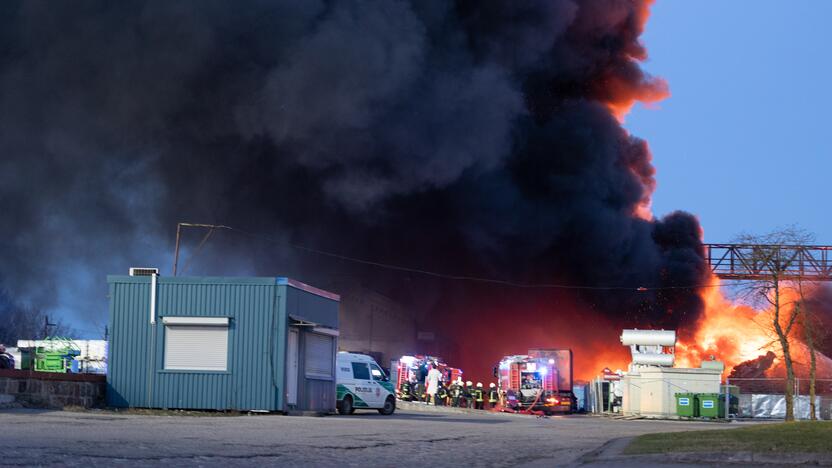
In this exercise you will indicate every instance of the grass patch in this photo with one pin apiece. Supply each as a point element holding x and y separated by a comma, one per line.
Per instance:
<point>803,436</point>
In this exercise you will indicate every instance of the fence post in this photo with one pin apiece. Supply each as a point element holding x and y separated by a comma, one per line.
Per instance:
<point>727,397</point>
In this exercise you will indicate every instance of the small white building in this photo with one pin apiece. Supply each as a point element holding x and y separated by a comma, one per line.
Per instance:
<point>650,386</point>
<point>650,391</point>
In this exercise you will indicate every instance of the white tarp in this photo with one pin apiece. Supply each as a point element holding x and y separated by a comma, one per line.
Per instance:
<point>774,406</point>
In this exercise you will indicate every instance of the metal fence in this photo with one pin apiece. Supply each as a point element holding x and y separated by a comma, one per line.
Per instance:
<point>765,398</point>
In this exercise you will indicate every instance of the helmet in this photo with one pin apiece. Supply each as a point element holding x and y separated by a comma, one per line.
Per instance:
<point>492,385</point>
<point>479,384</point>
<point>469,383</point>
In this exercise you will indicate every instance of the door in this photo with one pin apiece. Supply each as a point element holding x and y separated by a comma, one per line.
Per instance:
<point>365,388</point>
<point>292,368</point>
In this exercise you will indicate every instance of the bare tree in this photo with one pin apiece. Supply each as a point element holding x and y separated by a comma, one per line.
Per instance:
<point>771,250</point>
<point>19,322</point>
<point>814,335</point>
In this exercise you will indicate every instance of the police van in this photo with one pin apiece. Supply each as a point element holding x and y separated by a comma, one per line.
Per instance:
<point>362,384</point>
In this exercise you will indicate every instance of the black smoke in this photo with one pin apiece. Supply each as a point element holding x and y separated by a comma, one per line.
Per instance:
<point>470,138</point>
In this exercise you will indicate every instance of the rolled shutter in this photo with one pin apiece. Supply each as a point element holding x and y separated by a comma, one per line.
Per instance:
<point>319,356</point>
<point>196,347</point>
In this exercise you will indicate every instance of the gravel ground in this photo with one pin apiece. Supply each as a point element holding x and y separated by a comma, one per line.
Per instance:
<point>408,438</point>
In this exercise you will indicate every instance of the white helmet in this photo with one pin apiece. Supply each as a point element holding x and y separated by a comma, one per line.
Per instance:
<point>469,383</point>
<point>492,385</point>
<point>479,384</point>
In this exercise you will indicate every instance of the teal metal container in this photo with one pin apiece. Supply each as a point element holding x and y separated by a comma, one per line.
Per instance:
<point>260,313</point>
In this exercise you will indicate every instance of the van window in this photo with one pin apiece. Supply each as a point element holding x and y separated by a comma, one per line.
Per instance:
<point>360,371</point>
<point>378,374</point>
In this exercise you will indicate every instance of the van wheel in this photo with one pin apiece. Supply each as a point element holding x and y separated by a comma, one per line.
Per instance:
<point>389,406</point>
<point>346,406</point>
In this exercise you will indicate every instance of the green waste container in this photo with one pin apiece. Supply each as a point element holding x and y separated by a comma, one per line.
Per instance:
<point>711,405</point>
<point>686,405</point>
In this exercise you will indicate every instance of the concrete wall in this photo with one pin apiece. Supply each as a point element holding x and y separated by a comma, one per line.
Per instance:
<point>651,391</point>
<point>51,390</point>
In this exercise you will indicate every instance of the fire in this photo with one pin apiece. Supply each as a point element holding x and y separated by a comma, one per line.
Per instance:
<point>731,332</point>
<point>735,333</point>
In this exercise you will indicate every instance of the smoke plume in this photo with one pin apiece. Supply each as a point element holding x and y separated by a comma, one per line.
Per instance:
<point>466,137</point>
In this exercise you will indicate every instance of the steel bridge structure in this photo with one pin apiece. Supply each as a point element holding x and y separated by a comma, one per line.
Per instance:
<point>763,262</point>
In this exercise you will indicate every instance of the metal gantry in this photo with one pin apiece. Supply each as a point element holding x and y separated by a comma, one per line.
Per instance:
<point>761,262</point>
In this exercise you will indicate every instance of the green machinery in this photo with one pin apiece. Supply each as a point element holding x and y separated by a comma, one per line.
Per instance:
<point>56,354</point>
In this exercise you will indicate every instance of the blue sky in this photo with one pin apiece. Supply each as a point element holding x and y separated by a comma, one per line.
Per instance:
<point>744,139</point>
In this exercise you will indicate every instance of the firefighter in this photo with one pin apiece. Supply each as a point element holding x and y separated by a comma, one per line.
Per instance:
<point>468,394</point>
<point>493,395</point>
<point>415,391</point>
<point>456,392</point>
<point>440,399</point>
<point>404,390</point>
<point>479,397</point>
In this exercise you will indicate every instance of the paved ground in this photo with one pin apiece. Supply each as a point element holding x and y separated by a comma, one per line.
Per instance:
<point>408,438</point>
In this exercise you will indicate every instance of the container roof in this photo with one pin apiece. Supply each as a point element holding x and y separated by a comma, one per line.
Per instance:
<point>263,280</point>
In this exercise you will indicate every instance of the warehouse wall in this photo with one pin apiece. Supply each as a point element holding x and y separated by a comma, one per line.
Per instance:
<point>374,324</point>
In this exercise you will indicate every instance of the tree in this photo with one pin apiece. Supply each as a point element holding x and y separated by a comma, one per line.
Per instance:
<point>770,253</point>
<point>19,322</point>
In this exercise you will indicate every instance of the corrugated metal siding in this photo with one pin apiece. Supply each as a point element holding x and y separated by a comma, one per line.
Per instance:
<point>253,379</point>
<point>257,308</point>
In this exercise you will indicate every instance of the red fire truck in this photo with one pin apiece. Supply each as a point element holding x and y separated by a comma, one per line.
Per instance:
<point>538,381</point>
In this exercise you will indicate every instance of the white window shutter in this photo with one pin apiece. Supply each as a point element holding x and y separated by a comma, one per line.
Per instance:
<point>196,347</point>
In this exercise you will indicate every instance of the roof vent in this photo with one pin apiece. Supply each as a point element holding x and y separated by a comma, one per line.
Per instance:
<point>144,271</point>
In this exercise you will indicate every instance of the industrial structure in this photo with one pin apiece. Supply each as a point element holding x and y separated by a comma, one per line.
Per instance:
<point>240,343</point>
<point>651,383</point>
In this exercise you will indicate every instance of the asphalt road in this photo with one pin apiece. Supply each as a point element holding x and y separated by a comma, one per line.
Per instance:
<point>408,438</point>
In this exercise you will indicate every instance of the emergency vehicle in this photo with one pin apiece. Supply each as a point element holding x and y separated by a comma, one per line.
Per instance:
<point>538,381</point>
<point>413,368</point>
<point>362,384</point>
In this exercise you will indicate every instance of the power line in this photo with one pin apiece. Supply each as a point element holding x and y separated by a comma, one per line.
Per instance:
<point>451,277</point>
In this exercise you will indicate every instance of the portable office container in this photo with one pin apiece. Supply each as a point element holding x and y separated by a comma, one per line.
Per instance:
<point>238,343</point>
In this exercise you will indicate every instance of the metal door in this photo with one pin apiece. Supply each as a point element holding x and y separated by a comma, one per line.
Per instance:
<point>292,368</point>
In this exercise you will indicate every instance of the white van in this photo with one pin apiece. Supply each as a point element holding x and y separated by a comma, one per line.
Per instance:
<point>362,384</point>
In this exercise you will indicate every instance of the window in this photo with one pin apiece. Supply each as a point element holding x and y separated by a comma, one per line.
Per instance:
<point>319,356</point>
<point>196,343</point>
<point>378,374</point>
<point>360,371</point>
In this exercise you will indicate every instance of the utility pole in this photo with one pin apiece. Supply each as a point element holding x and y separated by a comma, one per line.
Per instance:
<point>46,326</point>
<point>179,227</point>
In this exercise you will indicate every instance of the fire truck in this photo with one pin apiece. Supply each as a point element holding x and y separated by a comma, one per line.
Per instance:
<point>539,381</point>
<point>410,368</point>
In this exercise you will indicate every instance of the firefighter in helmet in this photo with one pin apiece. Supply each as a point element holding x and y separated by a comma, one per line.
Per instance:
<point>468,394</point>
<point>455,391</point>
<point>441,396</point>
<point>493,395</point>
<point>479,397</point>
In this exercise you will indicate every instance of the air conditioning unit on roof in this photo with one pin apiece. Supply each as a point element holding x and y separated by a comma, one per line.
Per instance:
<point>144,271</point>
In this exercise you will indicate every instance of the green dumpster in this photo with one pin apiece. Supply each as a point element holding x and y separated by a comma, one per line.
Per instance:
<point>686,405</point>
<point>711,405</point>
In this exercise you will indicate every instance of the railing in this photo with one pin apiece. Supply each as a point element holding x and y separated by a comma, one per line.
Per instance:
<point>761,262</point>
